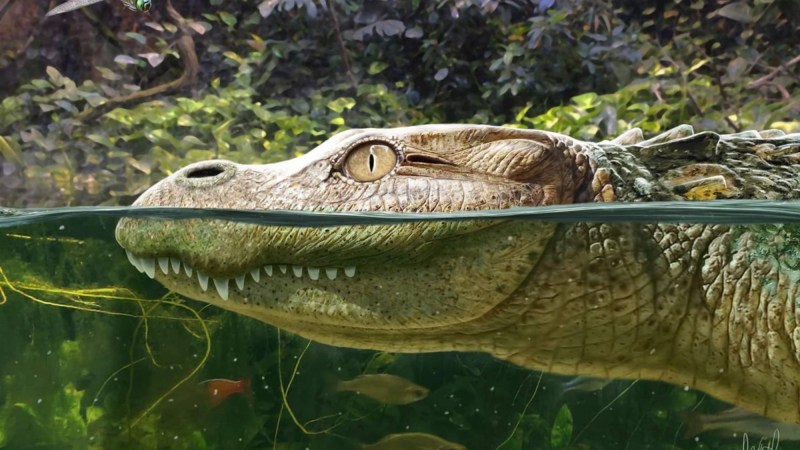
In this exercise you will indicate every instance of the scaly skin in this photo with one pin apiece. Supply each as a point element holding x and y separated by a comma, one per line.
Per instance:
<point>697,305</point>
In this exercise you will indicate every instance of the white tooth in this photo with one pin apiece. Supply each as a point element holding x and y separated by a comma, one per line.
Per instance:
<point>268,269</point>
<point>313,272</point>
<point>298,271</point>
<point>240,282</point>
<point>282,267</point>
<point>350,271</point>
<point>148,266</point>
<point>188,269</point>
<point>139,263</point>
<point>222,287</point>
<point>175,263</point>
<point>203,279</point>
<point>256,274</point>
<point>163,263</point>
<point>331,272</point>
<point>133,260</point>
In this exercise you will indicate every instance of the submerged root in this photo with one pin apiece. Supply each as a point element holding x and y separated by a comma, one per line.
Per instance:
<point>99,300</point>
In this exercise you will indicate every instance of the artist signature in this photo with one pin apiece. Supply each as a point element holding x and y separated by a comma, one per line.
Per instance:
<point>763,443</point>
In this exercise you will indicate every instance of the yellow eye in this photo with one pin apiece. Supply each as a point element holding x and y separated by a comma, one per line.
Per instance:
<point>369,161</point>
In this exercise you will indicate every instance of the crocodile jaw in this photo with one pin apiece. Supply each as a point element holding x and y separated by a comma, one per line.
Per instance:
<point>466,278</point>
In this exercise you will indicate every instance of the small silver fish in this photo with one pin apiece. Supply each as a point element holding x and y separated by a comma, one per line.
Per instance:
<point>739,421</point>
<point>385,388</point>
<point>413,441</point>
<point>585,384</point>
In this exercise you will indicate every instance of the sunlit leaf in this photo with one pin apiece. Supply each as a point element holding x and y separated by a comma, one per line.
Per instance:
<point>154,59</point>
<point>266,7</point>
<point>66,105</point>
<point>55,76</point>
<point>200,26</point>
<point>141,166</point>
<point>389,27</point>
<point>341,104</point>
<point>124,59</point>
<point>414,33</point>
<point>191,141</point>
<point>9,152</point>
<point>697,65</point>
<point>41,84</point>
<point>227,18</point>
<point>100,139</point>
<point>739,11</point>
<point>154,25</point>
<point>377,67</point>
<point>138,37</point>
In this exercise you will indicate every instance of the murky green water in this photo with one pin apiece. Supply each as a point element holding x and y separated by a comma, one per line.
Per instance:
<point>97,355</point>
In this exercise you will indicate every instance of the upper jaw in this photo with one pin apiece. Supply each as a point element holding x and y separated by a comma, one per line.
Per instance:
<point>163,266</point>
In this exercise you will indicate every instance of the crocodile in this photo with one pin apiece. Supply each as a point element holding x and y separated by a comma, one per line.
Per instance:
<point>708,306</point>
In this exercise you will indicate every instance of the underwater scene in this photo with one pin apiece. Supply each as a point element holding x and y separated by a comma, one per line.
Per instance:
<point>399,225</point>
<point>99,355</point>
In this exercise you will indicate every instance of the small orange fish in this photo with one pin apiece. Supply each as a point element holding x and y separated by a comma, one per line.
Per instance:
<point>220,389</point>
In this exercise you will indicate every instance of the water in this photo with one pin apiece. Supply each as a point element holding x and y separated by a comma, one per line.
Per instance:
<point>97,355</point>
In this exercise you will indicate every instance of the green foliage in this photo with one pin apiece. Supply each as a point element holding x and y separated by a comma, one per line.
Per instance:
<point>278,77</point>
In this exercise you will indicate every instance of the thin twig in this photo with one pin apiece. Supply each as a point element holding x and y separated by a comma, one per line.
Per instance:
<point>340,40</point>
<point>4,9</point>
<point>768,77</point>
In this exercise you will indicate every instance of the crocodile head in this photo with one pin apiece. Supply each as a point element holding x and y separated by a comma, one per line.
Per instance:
<point>712,307</point>
<point>410,286</point>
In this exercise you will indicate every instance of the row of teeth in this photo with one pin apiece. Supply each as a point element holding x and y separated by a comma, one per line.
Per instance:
<point>148,267</point>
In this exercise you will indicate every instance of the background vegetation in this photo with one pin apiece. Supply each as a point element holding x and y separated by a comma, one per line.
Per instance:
<point>98,104</point>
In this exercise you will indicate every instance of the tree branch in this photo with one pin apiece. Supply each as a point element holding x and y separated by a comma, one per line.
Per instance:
<point>342,48</point>
<point>191,67</point>
<point>768,77</point>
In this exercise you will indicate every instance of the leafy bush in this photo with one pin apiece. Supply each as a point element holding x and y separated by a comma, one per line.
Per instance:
<point>277,77</point>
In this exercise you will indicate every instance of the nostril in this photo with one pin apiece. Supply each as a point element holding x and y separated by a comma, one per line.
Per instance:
<point>205,172</point>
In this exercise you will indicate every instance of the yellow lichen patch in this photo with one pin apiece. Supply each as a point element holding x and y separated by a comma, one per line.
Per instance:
<point>703,182</point>
<point>710,188</point>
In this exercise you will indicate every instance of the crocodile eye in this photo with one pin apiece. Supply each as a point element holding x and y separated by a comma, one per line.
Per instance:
<point>370,161</point>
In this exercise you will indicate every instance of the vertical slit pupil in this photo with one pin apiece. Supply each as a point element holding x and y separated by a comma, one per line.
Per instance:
<point>371,162</point>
